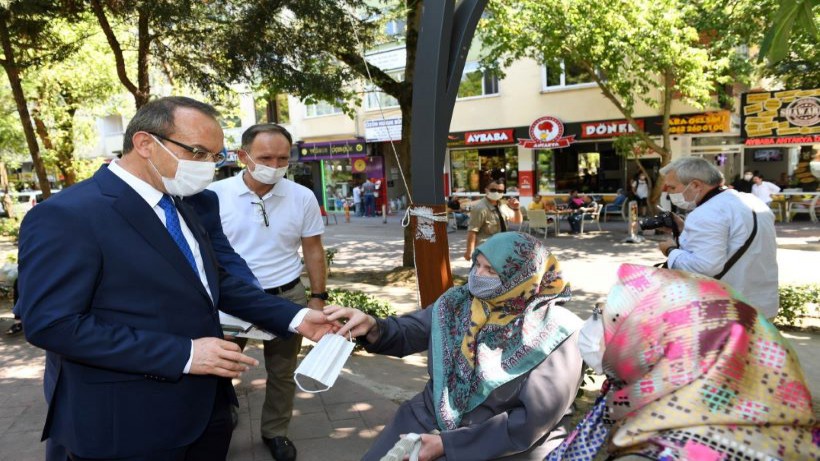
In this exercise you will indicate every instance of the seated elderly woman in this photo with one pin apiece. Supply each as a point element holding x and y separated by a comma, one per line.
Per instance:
<point>502,357</point>
<point>693,373</point>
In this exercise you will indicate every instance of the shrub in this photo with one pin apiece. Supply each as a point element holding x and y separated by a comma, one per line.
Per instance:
<point>362,301</point>
<point>10,227</point>
<point>794,302</point>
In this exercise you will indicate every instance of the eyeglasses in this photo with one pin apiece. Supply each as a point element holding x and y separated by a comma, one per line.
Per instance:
<point>199,154</point>
<point>492,189</point>
<point>262,212</point>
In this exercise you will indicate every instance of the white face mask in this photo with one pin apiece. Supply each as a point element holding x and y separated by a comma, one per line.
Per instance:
<point>748,177</point>
<point>591,343</point>
<point>191,178</point>
<point>324,363</point>
<point>495,195</point>
<point>265,174</point>
<point>680,201</point>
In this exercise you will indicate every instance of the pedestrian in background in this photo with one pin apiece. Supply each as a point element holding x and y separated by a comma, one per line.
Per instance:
<point>727,235</point>
<point>268,219</point>
<point>763,189</point>
<point>489,216</point>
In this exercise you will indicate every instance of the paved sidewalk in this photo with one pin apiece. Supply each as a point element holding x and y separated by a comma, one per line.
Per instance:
<point>340,424</point>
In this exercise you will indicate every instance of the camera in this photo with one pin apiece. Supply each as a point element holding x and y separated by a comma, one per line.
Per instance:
<point>663,219</point>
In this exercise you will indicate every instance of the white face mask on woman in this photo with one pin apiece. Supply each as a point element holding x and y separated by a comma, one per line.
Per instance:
<point>680,201</point>
<point>191,178</point>
<point>265,174</point>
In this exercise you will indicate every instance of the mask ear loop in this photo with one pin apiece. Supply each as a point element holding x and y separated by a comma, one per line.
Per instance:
<point>298,384</point>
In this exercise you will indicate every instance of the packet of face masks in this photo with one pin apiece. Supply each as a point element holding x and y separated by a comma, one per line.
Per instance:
<point>323,364</point>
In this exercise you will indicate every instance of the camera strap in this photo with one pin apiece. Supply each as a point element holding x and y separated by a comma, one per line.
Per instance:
<point>731,262</point>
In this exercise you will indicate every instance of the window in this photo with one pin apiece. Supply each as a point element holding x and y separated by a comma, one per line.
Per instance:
<point>477,82</point>
<point>473,169</point>
<point>395,28</point>
<point>561,74</point>
<point>321,108</point>
<point>272,111</point>
<point>377,99</point>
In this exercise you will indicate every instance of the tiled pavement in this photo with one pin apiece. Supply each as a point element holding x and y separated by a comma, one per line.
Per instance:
<point>341,423</point>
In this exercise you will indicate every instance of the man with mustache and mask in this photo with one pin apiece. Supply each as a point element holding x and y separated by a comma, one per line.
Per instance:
<point>728,235</point>
<point>489,216</point>
<point>267,219</point>
<point>120,285</point>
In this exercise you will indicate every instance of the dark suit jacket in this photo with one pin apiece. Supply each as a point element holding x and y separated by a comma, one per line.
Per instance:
<point>108,294</point>
<point>206,205</point>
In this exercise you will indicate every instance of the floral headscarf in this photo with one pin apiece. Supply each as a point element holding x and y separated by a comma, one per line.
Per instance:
<point>480,344</point>
<point>696,374</point>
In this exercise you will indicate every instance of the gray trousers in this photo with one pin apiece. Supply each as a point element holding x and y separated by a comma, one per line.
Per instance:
<point>280,363</point>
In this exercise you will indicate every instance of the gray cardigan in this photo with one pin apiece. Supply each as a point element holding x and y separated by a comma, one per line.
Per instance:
<point>522,419</point>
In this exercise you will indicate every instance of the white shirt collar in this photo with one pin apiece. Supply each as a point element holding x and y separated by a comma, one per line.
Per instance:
<point>145,190</point>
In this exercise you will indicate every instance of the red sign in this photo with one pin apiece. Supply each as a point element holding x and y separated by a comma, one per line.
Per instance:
<point>488,137</point>
<point>525,180</point>
<point>810,139</point>
<point>545,133</point>
<point>608,129</point>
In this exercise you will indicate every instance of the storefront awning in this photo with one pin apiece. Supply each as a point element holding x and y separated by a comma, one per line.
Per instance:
<point>331,150</point>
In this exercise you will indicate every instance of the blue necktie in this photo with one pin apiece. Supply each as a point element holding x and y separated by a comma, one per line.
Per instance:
<point>172,223</point>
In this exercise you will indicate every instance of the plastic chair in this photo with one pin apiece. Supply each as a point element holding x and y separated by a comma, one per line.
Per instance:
<point>538,220</point>
<point>594,215</point>
<point>618,207</point>
<point>803,204</point>
<point>778,206</point>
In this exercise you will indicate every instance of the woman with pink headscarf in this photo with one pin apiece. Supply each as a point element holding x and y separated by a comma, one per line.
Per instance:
<point>693,373</point>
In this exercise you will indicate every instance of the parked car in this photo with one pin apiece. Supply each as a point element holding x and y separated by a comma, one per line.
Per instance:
<point>23,201</point>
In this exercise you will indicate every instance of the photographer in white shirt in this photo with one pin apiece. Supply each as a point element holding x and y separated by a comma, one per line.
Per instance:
<point>720,224</point>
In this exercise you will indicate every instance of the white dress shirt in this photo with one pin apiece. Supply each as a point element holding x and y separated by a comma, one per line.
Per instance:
<point>764,191</point>
<point>715,230</point>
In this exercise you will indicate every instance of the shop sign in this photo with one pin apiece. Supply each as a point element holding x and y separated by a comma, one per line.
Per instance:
<point>546,133</point>
<point>332,150</point>
<point>608,129</point>
<point>382,130</point>
<point>791,114</point>
<point>525,181</point>
<point>711,122</point>
<point>488,137</point>
<point>814,139</point>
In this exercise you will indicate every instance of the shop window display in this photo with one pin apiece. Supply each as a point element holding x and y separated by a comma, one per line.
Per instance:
<point>472,169</point>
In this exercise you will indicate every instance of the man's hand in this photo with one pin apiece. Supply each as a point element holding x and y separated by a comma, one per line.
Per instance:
<point>666,246</point>
<point>468,255</point>
<point>513,204</point>
<point>315,325</point>
<point>214,356</point>
<point>358,323</point>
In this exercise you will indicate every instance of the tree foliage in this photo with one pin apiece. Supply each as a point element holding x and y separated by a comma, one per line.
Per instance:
<point>637,51</point>
<point>29,38</point>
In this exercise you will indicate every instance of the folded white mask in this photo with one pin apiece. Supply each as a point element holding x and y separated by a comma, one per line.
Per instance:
<point>323,364</point>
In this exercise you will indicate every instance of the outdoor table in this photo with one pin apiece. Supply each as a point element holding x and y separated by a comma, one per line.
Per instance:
<point>812,203</point>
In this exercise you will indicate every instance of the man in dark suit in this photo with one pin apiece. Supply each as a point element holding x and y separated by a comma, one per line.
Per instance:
<point>120,285</point>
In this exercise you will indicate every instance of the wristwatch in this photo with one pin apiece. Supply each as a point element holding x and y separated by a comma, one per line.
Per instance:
<point>323,296</point>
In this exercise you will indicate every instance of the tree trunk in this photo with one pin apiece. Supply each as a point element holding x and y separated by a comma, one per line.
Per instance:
<point>413,21</point>
<point>141,91</point>
<point>13,73</point>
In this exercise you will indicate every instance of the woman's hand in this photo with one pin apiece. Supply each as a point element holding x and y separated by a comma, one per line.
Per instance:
<point>357,322</point>
<point>432,447</point>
